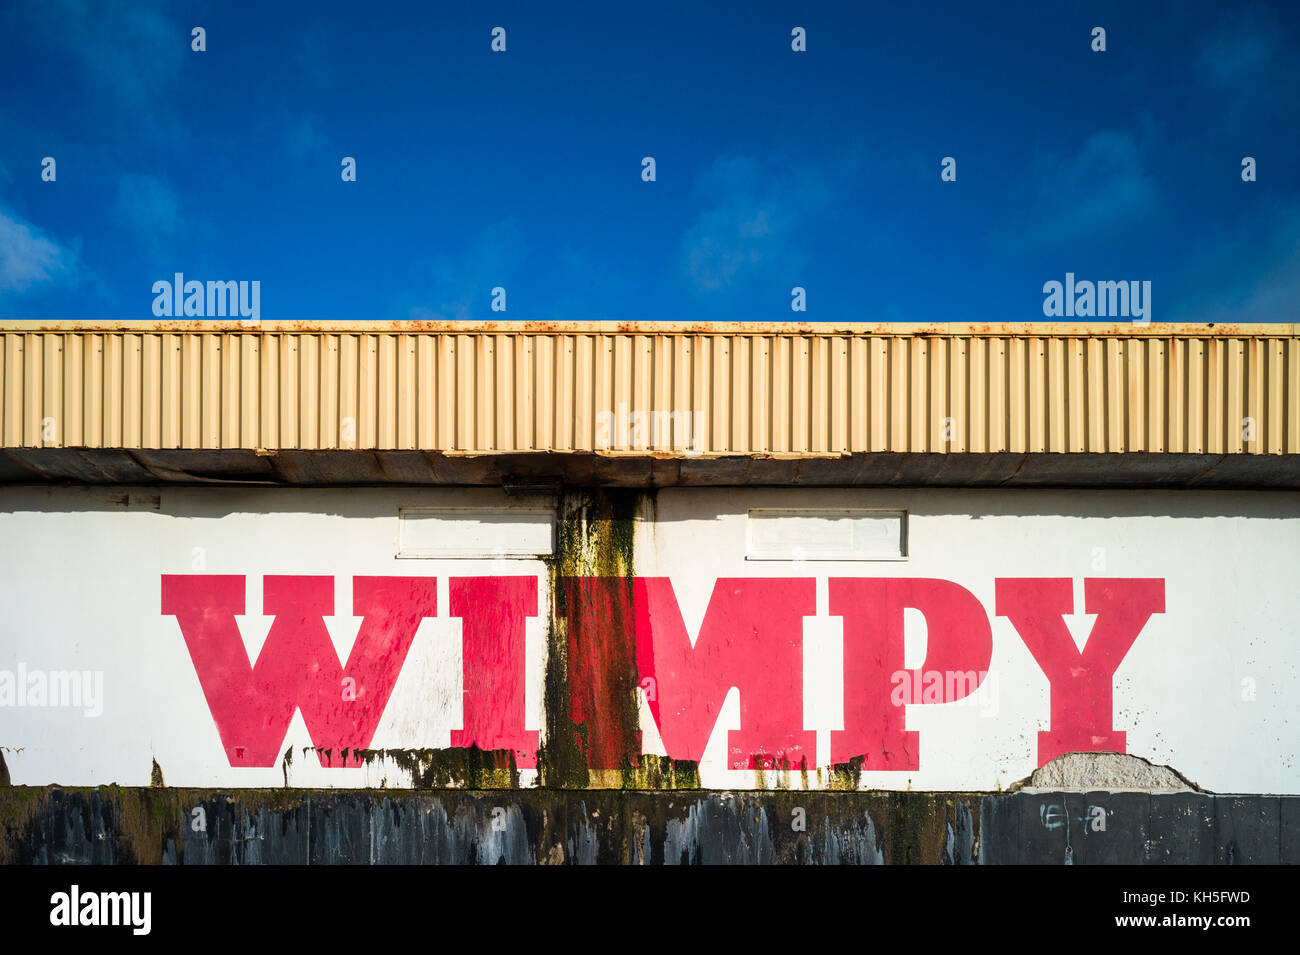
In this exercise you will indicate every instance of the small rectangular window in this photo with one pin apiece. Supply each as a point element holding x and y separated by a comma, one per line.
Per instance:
<point>475,532</point>
<point>826,534</point>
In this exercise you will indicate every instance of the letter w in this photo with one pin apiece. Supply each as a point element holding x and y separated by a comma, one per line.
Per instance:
<point>252,705</point>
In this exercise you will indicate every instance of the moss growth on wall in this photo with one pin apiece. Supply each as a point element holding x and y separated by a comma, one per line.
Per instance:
<point>661,772</point>
<point>847,776</point>
<point>465,767</point>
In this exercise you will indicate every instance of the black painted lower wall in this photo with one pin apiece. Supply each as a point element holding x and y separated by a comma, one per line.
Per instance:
<point>112,825</point>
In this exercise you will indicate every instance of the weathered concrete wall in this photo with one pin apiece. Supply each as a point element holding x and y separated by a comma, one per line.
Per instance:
<point>290,637</point>
<point>191,827</point>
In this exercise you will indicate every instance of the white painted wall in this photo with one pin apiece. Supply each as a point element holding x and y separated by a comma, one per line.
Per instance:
<point>81,588</point>
<point>80,572</point>
<point>1231,564</point>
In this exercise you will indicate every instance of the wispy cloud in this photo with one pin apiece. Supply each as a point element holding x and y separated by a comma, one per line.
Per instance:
<point>1250,273</point>
<point>312,56</point>
<point>303,137</point>
<point>28,258</point>
<point>1091,194</point>
<point>463,284</point>
<point>1245,70</point>
<point>150,209</point>
<point>755,211</point>
<point>128,52</point>
<point>1239,50</point>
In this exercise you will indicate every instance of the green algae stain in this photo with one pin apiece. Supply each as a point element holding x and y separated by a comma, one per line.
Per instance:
<point>847,776</point>
<point>459,767</point>
<point>591,736</point>
<point>662,772</point>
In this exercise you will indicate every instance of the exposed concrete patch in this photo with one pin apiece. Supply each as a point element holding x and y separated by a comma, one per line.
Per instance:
<point>1104,772</point>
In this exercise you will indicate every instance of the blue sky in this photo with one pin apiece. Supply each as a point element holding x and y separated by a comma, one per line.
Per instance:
<point>775,168</point>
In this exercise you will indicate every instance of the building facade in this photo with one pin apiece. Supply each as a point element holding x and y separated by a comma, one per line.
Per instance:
<point>747,561</point>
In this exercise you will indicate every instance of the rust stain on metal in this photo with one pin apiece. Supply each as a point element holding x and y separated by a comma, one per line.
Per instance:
<point>663,328</point>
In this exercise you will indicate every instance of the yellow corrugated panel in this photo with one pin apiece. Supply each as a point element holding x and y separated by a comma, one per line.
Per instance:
<point>290,391</point>
<point>568,391</point>
<point>31,370</point>
<point>1290,401</point>
<point>721,389</point>
<point>399,412</point>
<point>333,420</point>
<point>267,383</point>
<point>171,389</point>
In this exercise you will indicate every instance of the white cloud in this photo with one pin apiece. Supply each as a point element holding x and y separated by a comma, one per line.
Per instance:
<point>755,211</point>
<point>28,258</point>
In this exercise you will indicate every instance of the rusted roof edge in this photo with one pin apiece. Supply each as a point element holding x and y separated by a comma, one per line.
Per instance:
<point>972,329</point>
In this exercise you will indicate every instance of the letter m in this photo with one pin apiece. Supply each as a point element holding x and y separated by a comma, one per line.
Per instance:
<point>223,298</point>
<point>297,669</point>
<point>1116,299</point>
<point>751,639</point>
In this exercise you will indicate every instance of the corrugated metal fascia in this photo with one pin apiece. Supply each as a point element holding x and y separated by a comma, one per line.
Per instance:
<point>773,390</point>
